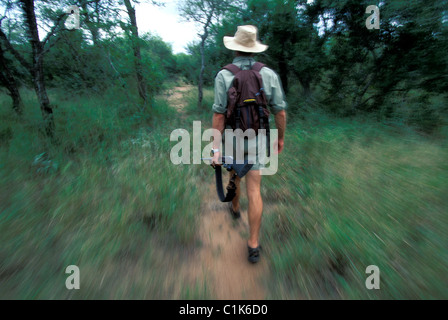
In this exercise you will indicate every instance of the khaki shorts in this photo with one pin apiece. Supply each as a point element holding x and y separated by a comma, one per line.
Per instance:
<point>252,149</point>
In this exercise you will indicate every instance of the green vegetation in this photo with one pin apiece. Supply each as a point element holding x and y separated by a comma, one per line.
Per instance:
<point>86,178</point>
<point>349,194</point>
<point>104,197</point>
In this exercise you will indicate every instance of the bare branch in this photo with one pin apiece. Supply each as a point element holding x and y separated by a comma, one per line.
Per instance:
<point>49,47</point>
<point>13,51</point>
<point>53,29</point>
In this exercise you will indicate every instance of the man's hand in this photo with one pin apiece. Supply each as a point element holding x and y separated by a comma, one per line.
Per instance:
<point>216,160</point>
<point>278,146</point>
<point>280,123</point>
<point>219,121</point>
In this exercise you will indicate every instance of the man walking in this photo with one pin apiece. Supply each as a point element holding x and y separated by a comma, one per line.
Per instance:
<point>245,45</point>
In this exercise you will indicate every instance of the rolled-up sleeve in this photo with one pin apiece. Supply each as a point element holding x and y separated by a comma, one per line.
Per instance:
<point>277,101</point>
<point>220,103</point>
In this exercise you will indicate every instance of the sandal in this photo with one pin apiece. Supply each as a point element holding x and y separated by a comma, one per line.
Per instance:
<point>254,254</point>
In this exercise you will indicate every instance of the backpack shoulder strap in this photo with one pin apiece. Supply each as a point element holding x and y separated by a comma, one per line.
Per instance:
<point>257,66</point>
<point>232,68</point>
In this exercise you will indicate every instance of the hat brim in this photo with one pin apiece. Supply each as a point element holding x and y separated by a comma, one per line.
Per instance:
<point>229,43</point>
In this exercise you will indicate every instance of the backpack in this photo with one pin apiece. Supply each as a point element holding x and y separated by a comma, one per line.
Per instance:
<point>246,100</point>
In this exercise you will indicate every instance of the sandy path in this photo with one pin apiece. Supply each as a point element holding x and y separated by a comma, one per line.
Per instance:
<point>221,261</point>
<point>223,255</point>
<point>175,96</point>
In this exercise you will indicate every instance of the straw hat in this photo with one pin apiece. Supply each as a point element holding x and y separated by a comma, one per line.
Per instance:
<point>245,40</point>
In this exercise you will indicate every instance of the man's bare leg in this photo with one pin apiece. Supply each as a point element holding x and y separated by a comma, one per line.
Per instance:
<point>253,184</point>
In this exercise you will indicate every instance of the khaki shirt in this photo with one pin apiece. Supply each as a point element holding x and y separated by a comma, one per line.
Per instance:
<point>271,84</point>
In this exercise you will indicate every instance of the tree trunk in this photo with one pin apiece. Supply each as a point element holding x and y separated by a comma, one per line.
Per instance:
<point>204,37</point>
<point>9,81</point>
<point>37,66</point>
<point>93,28</point>
<point>141,83</point>
<point>306,85</point>
<point>201,73</point>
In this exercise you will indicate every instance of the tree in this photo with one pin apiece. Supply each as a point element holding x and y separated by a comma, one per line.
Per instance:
<point>36,67</point>
<point>135,41</point>
<point>38,50</point>
<point>92,25</point>
<point>206,13</point>
<point>362,67</point>
<point>281,30</point>
<point>8,80</point>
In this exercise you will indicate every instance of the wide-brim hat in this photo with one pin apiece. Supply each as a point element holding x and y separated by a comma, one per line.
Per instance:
<point>245,40</point>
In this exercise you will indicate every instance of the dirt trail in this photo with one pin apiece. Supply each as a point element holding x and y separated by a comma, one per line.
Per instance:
<point>175,96</point>
<point>221,261</point>
<point>223,255</point>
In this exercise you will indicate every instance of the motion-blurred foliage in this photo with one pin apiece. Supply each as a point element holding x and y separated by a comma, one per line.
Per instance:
<point>350,194</point>
<point>363,178</point>
<point>104,197</point>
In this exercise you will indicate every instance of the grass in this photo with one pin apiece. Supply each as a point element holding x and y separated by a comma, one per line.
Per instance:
<point>102,197</point>
<point>349,194</point>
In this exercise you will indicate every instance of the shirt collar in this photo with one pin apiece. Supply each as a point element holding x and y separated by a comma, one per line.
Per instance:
<point>244,60</point>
